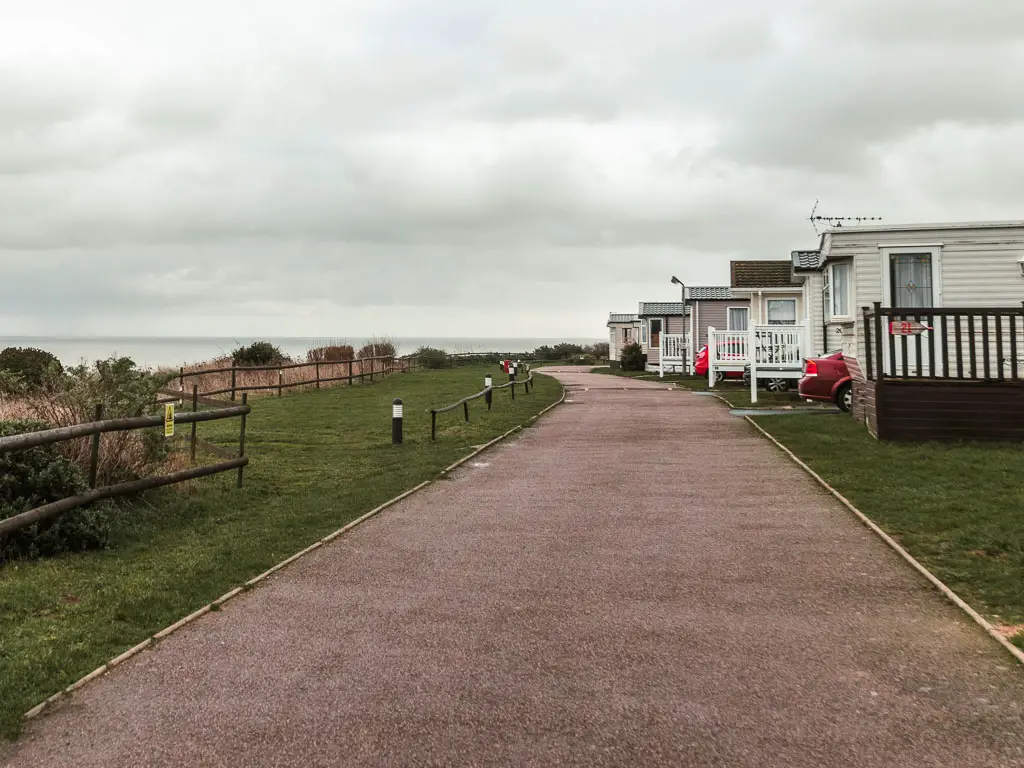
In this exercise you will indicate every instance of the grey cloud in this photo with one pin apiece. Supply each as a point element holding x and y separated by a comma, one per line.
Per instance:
<point>321,162</point>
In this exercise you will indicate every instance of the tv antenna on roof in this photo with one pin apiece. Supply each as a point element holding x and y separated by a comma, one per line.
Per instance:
<point>835,221</point>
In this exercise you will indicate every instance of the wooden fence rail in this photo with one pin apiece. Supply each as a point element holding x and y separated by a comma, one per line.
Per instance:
<point>95,429</point>
<point>368,368</point>
<point>464,402</point>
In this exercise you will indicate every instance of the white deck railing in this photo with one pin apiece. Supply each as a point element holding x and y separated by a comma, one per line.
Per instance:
<point>673,352</point>
<point>779,345</point>
<point>777,349</point>
<point>728,350</point>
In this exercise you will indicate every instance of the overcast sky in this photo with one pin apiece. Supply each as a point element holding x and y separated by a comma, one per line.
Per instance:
<point>471,167</point>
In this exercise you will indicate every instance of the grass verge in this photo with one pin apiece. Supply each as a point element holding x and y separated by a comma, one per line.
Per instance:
<point>737,394</point>
<point>319,460</point>
<point>954,506</point>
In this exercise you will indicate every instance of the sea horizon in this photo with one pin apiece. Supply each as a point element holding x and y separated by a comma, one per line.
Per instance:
<point>174,351</point>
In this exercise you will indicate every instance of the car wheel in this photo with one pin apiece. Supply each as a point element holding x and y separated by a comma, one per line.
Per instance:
<point>719,377</point>
<point>776,385</point>
<point>844,397</point>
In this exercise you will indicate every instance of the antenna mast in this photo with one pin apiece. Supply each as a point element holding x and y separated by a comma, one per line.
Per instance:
<point>835,221</point>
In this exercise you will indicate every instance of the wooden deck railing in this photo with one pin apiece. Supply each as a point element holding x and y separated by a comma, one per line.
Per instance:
<point>971,343</point>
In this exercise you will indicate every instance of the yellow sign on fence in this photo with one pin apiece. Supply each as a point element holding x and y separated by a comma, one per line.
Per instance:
<point>169,420</point>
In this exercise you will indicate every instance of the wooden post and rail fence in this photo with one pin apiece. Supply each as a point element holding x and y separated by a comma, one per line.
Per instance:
<point>96,429</point>
<point>360,370</point>
<point>218,409</point>
<point>486,393</point>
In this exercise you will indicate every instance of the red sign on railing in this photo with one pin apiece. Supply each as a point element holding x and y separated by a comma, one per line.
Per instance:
<point>907,327</point>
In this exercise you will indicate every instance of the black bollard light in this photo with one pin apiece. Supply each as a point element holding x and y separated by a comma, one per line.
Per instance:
<point>489,393</point>
<point>396,422</point>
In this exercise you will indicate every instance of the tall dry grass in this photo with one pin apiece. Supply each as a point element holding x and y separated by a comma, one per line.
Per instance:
<point>122,455</point>
<point>14,408</point>
<point>290,379</point>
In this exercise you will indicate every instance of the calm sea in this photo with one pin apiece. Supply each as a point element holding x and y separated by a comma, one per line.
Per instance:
<point>152,352</point>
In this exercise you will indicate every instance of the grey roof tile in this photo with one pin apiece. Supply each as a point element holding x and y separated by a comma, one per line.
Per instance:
<point>706,292</point>
<point>621,317</point>
<point>655,308</point>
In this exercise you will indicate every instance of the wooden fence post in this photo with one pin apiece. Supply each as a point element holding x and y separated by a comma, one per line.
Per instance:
<point>318,375</point>
<point>94,457</point>
<point>241,437</point>
<point>195,407</point>
<point>181,378</point>
<point>433,425</point>
<point>280,383</point>
<point>232,384</point>
<point>350,373</point>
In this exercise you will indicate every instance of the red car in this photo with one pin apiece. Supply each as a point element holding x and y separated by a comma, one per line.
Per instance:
<point>827,379</point>
<point>700,366</point>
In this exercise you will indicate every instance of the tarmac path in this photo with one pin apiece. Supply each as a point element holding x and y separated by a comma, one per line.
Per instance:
<point>638,580</point>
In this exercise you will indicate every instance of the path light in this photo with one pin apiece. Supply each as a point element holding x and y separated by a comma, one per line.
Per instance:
<point>396,422</point>
<point>489,394</point>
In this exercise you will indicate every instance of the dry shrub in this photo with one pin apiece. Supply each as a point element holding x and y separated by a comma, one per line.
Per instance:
<point>375,347</point>
<point>15,408</point>
<point>333,353</point>
<point>124,391</point>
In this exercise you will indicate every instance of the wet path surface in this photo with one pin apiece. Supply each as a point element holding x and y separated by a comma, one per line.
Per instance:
<point>638,580</point>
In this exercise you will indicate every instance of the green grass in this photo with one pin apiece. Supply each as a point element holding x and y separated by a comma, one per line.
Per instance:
<point>319,460</point>
<point>958,508</point>
<point>739,397</point>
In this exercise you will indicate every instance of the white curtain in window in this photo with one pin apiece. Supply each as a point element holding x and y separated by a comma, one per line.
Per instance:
<point>738,318</point>
<point>841,290</point>
<point>782,312</point>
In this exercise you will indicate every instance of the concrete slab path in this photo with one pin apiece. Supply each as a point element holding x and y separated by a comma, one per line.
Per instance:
<point>641,580</point>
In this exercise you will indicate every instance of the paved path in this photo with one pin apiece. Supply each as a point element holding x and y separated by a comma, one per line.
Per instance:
<point>640,580</point>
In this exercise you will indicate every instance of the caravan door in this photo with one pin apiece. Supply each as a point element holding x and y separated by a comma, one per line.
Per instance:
<point>911,281</point>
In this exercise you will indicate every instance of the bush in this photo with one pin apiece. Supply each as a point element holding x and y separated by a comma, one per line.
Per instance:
<point>561,351</point>
<point>599,350</point>
<point>377,348</point>
<point>432,358</point>
<point>335,353</point>
<point>124,392</point>
<point>258,353</point>
<point>38,476</point>
<point>32,368</point>
<point>632,358</point>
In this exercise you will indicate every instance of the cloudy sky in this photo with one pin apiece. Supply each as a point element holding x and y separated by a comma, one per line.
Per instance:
<point>470,167</point>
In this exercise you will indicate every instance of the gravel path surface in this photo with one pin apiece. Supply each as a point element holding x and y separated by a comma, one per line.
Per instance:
<point>640,580</point>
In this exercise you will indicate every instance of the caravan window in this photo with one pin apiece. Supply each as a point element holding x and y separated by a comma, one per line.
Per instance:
<point>838,288</point>
<point>738,318</point>
<point>782,312</point>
